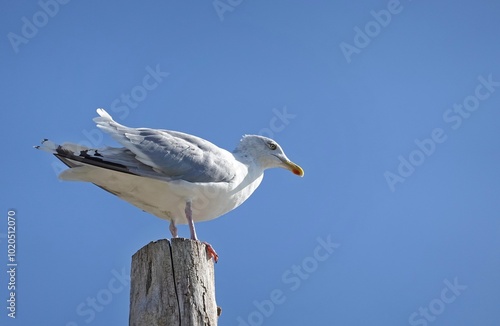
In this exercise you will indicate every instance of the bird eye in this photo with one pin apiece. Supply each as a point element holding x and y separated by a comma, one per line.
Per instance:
<point>272,146</point>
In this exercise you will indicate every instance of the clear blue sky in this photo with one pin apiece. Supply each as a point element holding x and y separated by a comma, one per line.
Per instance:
<point>391,108</point>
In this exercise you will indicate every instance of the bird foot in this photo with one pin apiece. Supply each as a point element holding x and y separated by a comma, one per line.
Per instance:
<point>211,252</point>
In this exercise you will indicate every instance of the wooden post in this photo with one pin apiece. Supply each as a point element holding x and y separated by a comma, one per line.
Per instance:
<point>172,284</point>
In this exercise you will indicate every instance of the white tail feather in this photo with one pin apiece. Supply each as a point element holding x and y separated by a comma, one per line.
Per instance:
<point>104,114</point>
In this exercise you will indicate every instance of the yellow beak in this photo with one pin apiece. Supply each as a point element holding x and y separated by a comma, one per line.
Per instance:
<point>297,170</point>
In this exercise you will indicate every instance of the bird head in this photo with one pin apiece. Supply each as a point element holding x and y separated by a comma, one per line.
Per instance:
<point>267,153</point>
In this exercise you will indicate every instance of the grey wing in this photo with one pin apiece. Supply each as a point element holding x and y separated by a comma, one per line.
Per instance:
<point>173,154</point>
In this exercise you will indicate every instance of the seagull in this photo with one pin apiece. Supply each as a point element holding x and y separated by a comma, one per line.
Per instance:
<point>172,175</point>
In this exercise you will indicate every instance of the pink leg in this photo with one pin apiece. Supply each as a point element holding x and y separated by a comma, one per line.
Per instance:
<point>211,251</point>
<point>189,216</point>
<point>173,229</point>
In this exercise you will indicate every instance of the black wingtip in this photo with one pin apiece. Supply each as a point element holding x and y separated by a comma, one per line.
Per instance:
<point>42,142</point>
